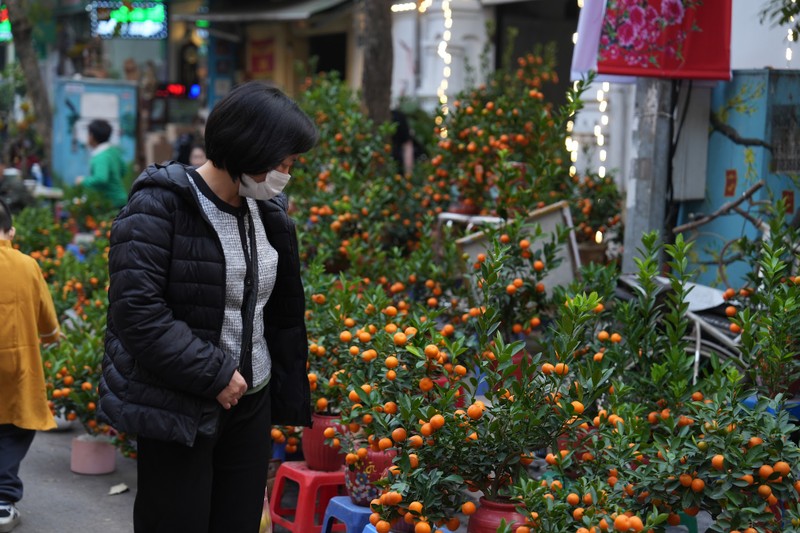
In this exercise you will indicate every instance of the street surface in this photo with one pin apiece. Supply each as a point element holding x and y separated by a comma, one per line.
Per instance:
<point>56,500</point>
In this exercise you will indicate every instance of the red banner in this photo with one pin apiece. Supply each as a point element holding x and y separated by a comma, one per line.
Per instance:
<point>655,38</point>
<point>666,38</point>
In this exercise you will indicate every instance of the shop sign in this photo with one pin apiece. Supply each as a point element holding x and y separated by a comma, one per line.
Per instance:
<point>129,20</point>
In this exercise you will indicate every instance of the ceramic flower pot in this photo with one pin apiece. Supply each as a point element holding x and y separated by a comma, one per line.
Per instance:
<point>318,455</point>
<point>401,526</point>
<point>491,513</point>
<point>592,253</point>
<point>360,478</point>
<point>92,455</point>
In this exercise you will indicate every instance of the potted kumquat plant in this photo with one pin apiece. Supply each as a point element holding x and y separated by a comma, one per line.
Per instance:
<point>486,444</point>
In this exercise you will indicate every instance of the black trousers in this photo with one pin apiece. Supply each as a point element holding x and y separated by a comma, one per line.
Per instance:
<point>215,486</point>
<point>14,445</point>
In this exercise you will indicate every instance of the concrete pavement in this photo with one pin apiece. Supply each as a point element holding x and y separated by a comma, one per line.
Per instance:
<point>56,500</point>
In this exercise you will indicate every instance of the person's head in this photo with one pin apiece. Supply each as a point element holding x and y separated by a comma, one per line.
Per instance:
<point>254,129</point>
<point>6,223</point>
<point>197,156</point>
<point>99,132</point>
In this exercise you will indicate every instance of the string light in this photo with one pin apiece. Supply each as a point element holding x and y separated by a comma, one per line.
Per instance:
<point>441,92</point>
<point>572,145</point>
<point>598,129</point>
<point>424,5</point>
<point>405,6</point>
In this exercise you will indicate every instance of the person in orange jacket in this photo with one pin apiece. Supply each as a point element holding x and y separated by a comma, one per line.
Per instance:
<point>28,316</point>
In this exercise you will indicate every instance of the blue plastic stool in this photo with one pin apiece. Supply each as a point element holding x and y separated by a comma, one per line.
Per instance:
<point>342,508</point>
<point>279,451</point>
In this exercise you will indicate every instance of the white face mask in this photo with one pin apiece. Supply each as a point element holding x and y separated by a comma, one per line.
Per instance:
<point>272,185</point>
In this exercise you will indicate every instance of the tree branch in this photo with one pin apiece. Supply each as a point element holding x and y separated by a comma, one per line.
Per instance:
<point>721,211</point>
<point>733,135</point>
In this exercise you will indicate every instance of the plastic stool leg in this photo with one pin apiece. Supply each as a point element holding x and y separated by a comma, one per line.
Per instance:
<point>305,518</point>
<point>275,506</point>
<point>327,521</point>
<point>353,518</point>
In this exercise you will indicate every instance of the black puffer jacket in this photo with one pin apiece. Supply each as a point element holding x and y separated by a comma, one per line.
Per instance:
<point>162,368</point>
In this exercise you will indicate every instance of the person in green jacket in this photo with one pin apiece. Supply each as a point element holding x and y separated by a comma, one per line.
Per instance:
<point>106,166</point>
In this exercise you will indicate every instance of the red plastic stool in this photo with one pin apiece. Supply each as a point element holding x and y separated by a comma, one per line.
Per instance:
<point>316,488</point>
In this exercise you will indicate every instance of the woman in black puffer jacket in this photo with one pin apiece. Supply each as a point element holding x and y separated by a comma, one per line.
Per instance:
<point>206,343</point>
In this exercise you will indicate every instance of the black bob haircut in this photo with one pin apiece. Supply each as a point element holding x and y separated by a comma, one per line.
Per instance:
<point>5,217</point>
<point>100,130</point>
<point>254,128</point>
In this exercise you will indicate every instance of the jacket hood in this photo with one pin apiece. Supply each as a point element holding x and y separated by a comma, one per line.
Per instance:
<point>173,176</point>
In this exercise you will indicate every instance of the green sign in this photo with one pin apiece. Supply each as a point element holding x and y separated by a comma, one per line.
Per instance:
<point>126,15</point>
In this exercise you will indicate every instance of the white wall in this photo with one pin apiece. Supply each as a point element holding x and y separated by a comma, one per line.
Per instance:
<point>467,39</point>
<point>756,45</point>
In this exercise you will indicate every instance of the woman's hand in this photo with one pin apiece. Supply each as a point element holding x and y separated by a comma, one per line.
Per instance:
<point>236,388</point>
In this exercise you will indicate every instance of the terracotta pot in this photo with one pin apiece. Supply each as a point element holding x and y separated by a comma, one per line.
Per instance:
<point>318,455</point>
<point>489,515</point>
<point>92,456</point>
<point>359,479</point>
<point>591,252</point>
<point>464,207</point>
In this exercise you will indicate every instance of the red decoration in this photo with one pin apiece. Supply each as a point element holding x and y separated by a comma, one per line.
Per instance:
<point>788,198</point>
<point>666,39</point>
<point>262,57</point>
<point>731,180</point>
<point>654,38</point>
